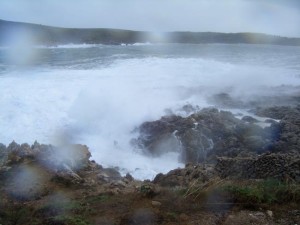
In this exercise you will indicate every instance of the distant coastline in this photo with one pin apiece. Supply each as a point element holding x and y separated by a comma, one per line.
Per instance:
<point>51,36</point>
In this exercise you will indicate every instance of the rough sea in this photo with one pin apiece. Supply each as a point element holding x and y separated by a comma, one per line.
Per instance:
<point>97,95</point>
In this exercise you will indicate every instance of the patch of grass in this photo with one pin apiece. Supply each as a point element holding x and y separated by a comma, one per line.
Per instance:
<point>69,220</point>
<point>98,198</point>
<point>264,192</point>
<point>181,192</point>
<point>247,193</point>
<point>172,216</point>
<point>198,191</point>
<point>60,207</point>
<point>66,212</point>
<point>15,214</point>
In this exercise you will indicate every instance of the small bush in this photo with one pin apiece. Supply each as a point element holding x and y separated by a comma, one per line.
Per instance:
<point>15,214</point>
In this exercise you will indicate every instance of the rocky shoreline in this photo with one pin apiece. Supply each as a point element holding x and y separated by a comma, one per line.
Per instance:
<point>210,133</point>
<point>237,172</point>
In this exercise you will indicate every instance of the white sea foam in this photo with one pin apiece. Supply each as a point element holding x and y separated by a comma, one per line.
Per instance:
<point>66,46</point>
<point>101,107</point>
<point>139,44</point>
<point>69,46</point>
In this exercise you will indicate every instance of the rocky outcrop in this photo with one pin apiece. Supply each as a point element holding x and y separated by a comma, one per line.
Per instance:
<point>185,177</point>
<point>281,167</point>
<point>226,100</point>
<point>287,132</point>
<point>72,157</point>
<point>29,172</point>
<point>203,135</point>
<point>276,112</point>
<point>284,167</point>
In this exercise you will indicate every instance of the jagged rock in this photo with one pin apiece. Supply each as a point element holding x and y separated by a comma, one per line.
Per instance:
<point>184,177</point>
<point>3,154</point>
<point>66,165</point>
<point>149,190</point>
<point>13,147</point>
<point>271,121</point>
<point>2,149</point>
<point>129,177</point>
<point>249,119</point>
<point>285,167</point>
<point>188,109</point>
<point>286,133</point>
<point>275,112</point>
<point>67,178</point>
<point>74,156</point>
<point>202,136</point>
<point>225,100</point>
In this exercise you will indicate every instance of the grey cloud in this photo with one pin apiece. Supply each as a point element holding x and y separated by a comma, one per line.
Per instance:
<point>274,17</point>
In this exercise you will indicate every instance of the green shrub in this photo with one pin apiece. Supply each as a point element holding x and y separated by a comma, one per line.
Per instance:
<point>70,220</point>
<point>98,198</point>
<point>264,192</point>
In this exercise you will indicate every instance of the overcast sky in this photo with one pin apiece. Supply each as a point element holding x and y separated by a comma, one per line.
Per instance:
<point>279,17</point>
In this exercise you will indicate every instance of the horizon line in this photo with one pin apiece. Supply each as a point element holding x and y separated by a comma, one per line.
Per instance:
<point>147,31</point>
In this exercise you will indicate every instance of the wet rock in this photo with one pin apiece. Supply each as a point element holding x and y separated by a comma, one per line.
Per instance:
<point>286,133</point>
<point>249,119</point>
<point>275,112</point>
<point>225,100</point>
<point>202,136</point>
<point>271,121</point>
<point>188,109</point>
<point>254,143</point>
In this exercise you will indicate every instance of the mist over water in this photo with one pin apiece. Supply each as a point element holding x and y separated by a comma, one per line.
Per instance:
<point>97,95</point>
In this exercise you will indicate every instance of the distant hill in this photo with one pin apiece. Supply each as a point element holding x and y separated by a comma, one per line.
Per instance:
<point>46,35</point>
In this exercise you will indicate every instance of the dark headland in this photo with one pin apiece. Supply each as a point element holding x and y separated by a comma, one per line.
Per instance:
<point>47,35</point>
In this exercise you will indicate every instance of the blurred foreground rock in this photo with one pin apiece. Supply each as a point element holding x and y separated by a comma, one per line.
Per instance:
<point>43,184</point>
<point>30,172</point>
